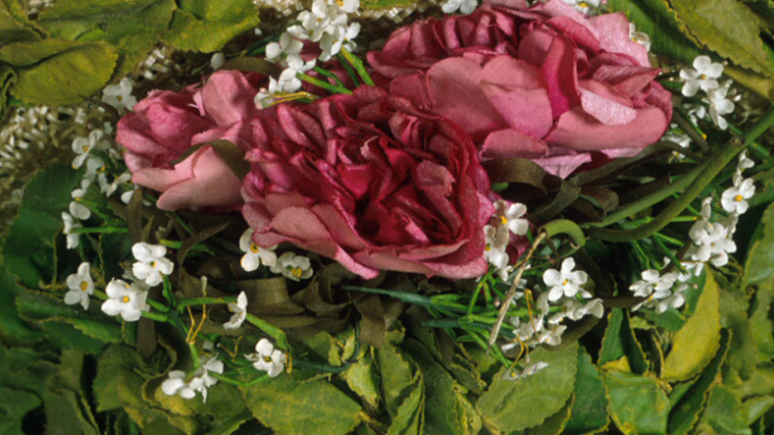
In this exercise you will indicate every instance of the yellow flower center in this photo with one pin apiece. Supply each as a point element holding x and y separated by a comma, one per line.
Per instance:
<point>503,220</point>
<point>119,98</point>
<point>738,198</point>
<point>565,282</point>
<point>267,359</point>
<point>296,272</point>
<point>703,77</point>
<point>125,299</point>
<point>488,247</point>
<point>254,248</point>
<point>85,148</point>
<point>84,285</point>
<point>583,4</point>
<point>153,264</point>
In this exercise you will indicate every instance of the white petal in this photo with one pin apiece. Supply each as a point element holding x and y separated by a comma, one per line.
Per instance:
<point>72,297</point>
<point>250,262</point>
<point>552,277</point>
<point>264,347</point>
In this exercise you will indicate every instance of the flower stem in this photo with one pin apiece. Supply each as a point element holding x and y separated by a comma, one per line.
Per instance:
<point>322,84</point>
<point>330,75</point>
<point>99,230</point>
<point>358,65</point>
<point>691,130</point>
<point>203,301</point>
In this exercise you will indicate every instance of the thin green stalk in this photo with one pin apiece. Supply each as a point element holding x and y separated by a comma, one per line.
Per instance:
<point>702,180</point>
<point>411,298</point>
<point>161,307</point>
<point>322,84</point>
<point>99,230</point>
<point>330,75</point>
<point>358,65</point>
<point>691,130</point>
<point>204,301</point>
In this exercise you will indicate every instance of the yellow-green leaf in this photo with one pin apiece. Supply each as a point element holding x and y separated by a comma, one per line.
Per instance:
<point>207,25</point>
<point>637,404</point>
<point>697,341</point>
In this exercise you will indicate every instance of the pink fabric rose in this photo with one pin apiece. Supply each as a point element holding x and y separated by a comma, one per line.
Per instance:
<point>372,182</point>
<point>166,124</point>
<point>544,83</point>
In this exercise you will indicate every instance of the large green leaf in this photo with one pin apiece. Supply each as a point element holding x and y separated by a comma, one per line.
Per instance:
<point>555,424</point>
<point>14,24</point>
<point>399,372</point>
<point>56,71</point>
<point>619,341</point>
<point>668,34</point>
<point>134,26</point>
<point>589,412</point>
<point>685,413</point>
<point>760,256</point>
<point>637,404</point>
<point>724,415</point>
<point>294,407</point>
<point>761,325</point>
<point>92,322</point>
<point>515,405</point>
<point>208,25</point>
<point>115,364</point>
<point>12,329</point>
<point>7,79</point>
<point>28,248</point>
<point>14,406</point>
<point>695,343</point>
<point>729,28</point>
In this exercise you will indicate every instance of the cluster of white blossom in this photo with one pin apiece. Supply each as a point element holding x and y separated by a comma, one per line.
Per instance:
<point>659,290</point>
<point>292,266</point>
<point>327,24</point>
<point>563,298</point>
<point>506,220</point>
<point>180,384</point>
<point>704,77</point>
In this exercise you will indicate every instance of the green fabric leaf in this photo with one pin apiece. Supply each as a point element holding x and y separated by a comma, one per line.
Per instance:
<point>24,369</point>
<point>515,405</point>
<point>728,28</point>
<point>637,404</point>
<point>115,364</point>
<point>409,418</point>
<point>686,412</point>
<point>361,377</point>
<point>14,24</point>
<point>589,411</point>
<point>207,25</point>
<point>133,26</point>
<point>13,330</point>
<point>724,415</point>
<point>28,248</point>
<point>294,407</point>
<point>445,410</point>
<point>761,326</point>
<point>385,4</point>
<point>695,344</point>
<point>760,256</point>
<point>66,336</point>
<point>7,79</point>
<point>619,341</point>
<point>555,424</point>
<point>743,352</point>
<point>69,384</point>
<point>398,372</point>
<point>14,406</point>
<point>668,34</point>
<point>92,322</point>
<point>57,72</point>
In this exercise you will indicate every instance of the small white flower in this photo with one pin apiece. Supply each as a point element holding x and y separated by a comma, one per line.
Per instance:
<point>176,385</point>
<point>696,112</point>
<point>80,286</point>
<point>287,45</point>
<point>293,267</point>
<point>125,299</point>
<point>511,216</point>
<point>714,245</point>
<point>565,282</point>
<point>267,358</point>
<point>126,197</point>
<point>73,239</point>
<point>240,312</point>
<point>108,188</point>
<point>702,76</point>
<point>350,6</point>
<point>200,381</point>
<point>151,263</point>
<point>583,6</point>
<point>340,36</point>
<point>744,162</point>
<point>574,309</point>
<point>94,167</point>
<point>297,64</point>
<point>120,95</point>
<point>254,254</point>
<point>496,242</point>
<point>653,283</point>
<point>719,105</point>
<point>77,209</point>
<point>464,6</point>
<point>641,38</point>
<point>734,199</point>
<point>82,146</point>
<point>217,60</point>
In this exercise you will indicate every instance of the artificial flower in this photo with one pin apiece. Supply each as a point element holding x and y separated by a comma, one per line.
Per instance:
<point>217,60</point>
<point>268,359</point>
<point>286,46</point>
<point>82,146</point>
<point>530,370</point>
<point>126,300</point>
<point>734,199</point>
<point>719,105</point>
<point>703,75</point>
<point>293,267</point>
<point>372,182</point>
<point>583,6</point>
<point>543,83</point>
<point>176,384</point>
<point>239,311</point>
<point>80,286</point>
<point>109,187</point>
<point>77,209</point>
<point>73,239</point>
<point>120,95</point>
<point>653,283</point>
<point>255,256</point>
<point>510,216</point>
<point>151,264</point>
<point>464,6</point>
<point>565,282</point>
<point>496,243</point>
<point>639,37</point>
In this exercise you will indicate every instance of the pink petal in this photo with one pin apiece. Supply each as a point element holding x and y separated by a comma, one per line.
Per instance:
<point>510,143</point>
<point>613,31</point>
<point>228,97</point>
